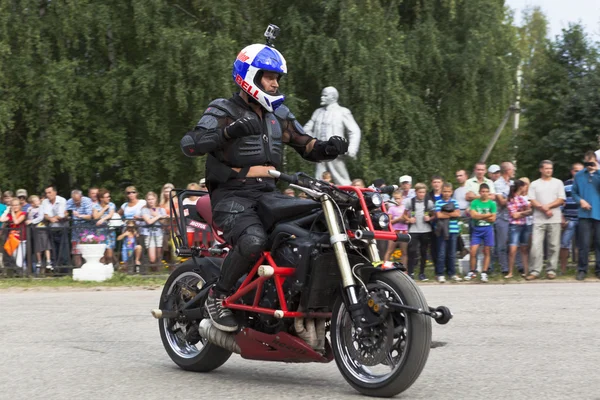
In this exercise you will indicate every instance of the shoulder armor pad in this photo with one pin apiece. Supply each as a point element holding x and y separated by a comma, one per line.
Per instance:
<point>222,108</point>
<point>283,112</point>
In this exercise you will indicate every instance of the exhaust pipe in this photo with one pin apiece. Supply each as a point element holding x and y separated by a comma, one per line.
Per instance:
<point>218,337</point>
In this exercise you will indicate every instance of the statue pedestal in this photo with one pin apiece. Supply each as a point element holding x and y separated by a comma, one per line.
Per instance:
<point>93,269</point>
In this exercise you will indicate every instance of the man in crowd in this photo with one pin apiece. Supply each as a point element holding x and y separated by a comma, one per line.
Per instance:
<point>570,219</point>
<point>502,186</point>
<point>80,209</point>
<point>418,212</point>
<point>494,172</point>
<point>473,184</point>
<point>54,208</point>
<point>547,195</point>
<point>93,195</point>
<point>585,190</point>
<point>405,185</point>
<point>460,192</point>
<point>22,196</point>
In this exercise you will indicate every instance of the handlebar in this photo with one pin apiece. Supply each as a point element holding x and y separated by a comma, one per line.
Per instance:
<point>403,237</point>
<point>284,177</point>
<point>388,189</point>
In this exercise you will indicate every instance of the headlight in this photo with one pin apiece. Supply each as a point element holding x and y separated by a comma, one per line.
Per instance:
<point>373,199</point>
<point>380,219</point>
<point>377,199</point>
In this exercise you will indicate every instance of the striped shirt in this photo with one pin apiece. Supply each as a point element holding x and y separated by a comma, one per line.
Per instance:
<point>83,208</point>
<point>453,225</point>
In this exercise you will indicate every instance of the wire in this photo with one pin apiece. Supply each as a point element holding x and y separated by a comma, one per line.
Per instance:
<point>345,230</point>
<point>358,279</point>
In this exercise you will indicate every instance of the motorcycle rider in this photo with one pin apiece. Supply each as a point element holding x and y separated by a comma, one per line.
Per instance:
<point>243,139</point>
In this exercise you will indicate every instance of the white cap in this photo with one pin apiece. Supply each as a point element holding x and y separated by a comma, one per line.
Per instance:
<point>203,181</point>
<point>494,168</point>
<point>405,178</point>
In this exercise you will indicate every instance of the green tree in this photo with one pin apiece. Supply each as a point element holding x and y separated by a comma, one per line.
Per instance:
<point>561,117</point>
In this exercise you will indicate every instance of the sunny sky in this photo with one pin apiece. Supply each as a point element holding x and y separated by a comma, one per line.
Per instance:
<point>561,12</point>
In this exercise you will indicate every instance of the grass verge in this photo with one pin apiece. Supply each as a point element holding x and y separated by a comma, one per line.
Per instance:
<point>118,279</point>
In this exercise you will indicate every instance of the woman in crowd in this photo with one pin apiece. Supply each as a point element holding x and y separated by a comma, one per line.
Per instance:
<point>165,197</point>
<point>102,212</point>
<point>132,209</point>
<point>519,231</point>
<point>396,214</point>
<point>15,220</point>
<point>151,228</point>
<point>41,242</point>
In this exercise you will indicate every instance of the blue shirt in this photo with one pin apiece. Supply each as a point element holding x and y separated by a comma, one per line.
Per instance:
<point>84,208</point>
<point>2,209</point>
<point>453,225</point>
<point>586,186</point>
<point>570,209</point>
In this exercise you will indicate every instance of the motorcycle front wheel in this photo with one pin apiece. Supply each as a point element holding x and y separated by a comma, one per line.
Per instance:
<point>179,337</point>
<point>390,358</point>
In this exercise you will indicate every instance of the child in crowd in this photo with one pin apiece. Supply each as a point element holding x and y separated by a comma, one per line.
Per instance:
<point>519,232</point>
<point>35,217</point>
<point>396,213</point>
<point>447,230</point>
<point>483,213</point>
<point>130,247</point>
<point>15,219</point>
<point>418,214</point>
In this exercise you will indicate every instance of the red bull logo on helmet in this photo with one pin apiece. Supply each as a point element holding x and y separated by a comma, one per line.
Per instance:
<point>242,56</point>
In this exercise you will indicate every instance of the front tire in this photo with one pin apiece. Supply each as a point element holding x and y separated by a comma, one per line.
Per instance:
<point>408,352</point>
<point>201,356</point>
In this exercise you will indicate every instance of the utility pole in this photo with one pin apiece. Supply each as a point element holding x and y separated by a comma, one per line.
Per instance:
<point>516,109</point>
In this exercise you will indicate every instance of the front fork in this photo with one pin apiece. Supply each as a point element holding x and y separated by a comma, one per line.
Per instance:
<point>338,239</point>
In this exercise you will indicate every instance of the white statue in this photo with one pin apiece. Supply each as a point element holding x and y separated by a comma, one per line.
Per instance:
<point>334,120</point>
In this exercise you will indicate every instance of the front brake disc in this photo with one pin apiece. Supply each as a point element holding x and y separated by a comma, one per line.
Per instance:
<point>372,347</point>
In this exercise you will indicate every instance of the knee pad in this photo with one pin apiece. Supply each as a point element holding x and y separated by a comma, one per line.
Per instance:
<point>252,241</point>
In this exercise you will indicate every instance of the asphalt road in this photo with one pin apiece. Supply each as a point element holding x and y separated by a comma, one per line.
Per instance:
<point>534,341</point>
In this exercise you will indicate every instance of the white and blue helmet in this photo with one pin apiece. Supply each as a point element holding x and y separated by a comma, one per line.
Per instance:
<point>247,73</point>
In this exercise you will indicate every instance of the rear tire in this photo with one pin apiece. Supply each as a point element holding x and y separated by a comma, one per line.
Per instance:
<point>203,356</point>
<point>413,341</point>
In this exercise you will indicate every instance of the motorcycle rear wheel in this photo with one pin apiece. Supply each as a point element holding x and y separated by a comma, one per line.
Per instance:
<point>408,352</point>
<point>199,357</point>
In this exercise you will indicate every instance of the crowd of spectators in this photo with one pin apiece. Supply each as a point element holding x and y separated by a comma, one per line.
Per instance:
<point>491,221</point>
<point>494,221</point>
<point>136,232</point>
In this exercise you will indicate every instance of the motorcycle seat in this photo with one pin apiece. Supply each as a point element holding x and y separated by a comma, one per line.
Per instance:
<point>203,207</point>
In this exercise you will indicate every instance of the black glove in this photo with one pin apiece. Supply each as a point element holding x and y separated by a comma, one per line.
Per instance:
<point>336,145</point>
<point>245,126</point>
